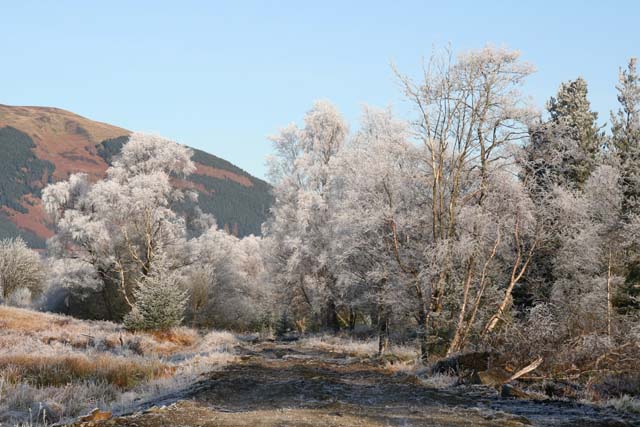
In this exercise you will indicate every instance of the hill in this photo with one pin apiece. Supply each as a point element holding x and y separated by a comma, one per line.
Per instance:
<point>41,145</point>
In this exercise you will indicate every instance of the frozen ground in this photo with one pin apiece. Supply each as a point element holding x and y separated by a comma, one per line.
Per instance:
<point>278,384</point>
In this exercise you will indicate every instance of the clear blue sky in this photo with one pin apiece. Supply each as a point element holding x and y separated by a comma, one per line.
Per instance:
<point>221,76</point>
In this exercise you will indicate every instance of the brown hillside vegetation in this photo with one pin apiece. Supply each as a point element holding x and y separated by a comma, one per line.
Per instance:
<point>70,143</point>
<point>65,139</point>
<point>33,220</point>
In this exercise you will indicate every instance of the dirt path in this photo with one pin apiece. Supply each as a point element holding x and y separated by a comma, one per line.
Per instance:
<point>282,385</point>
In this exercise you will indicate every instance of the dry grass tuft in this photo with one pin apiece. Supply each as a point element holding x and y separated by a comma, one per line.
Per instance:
<point>181,336</point>
<point>439,381</point>
<point>357,348</point>
<point>59,367</point>
<point>43,371</point>
<point>21,320</point>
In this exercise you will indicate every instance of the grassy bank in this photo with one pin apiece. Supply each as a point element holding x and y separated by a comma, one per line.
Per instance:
<point>56,367</point>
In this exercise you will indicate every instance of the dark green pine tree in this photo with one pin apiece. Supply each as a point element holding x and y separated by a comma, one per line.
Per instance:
<point>625,135</point>
<point>160,304</point>
<point>561,151</point>
<point>572,118</point>
<point>625,144</point>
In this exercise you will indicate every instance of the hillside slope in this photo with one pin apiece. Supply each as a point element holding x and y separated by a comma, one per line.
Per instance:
<point>40,145</point>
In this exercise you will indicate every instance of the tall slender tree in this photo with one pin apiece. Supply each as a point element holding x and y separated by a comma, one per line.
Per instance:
<point>301,223</point>
<point>625,133</point>
<point>625,143</point>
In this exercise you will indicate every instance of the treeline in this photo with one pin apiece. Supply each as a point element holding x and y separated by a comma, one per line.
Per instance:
<point>478,223</point>
<point>21,173</point>
<point>133,248</point>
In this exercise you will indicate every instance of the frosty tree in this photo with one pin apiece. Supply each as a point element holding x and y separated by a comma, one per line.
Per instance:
<point>380,194</point>
<point>572,118</point>
<point>625,133</point>
<point>21,270</point>
<point>301,223</point>
<point>470,111</point>
<point>123,227</point>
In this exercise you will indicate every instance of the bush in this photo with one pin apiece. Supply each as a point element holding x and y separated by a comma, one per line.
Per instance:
<point>21,271</point>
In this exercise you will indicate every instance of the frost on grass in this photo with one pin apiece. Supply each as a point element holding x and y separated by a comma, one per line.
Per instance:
<point>440,381</point>
<point>55,367</point>
<point>625,403</point>
<point>357,348</point>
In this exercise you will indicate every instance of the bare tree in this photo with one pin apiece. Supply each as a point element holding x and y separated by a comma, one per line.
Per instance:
<point>469,112</point>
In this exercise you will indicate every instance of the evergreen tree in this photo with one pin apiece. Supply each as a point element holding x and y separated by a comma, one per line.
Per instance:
<point>283,325</point>
<point>625,134</point>
<point>552,157</point>
<point>561,152</point>
<point>625,143</point>
<point>572,118</point>
<point>160,304</point>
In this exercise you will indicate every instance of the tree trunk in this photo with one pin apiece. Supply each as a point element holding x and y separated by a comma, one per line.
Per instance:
<point>609,300</point>
<point>353,317</point>
<point>456,342</point>
<point>107,304</point>
<point>331,316</point>
<point>423,335</point>
<point>518,270</point>
<point>383,330</point>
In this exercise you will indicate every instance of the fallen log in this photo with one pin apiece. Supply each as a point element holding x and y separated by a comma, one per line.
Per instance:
<point>499,378</point>
<point>530,367</point>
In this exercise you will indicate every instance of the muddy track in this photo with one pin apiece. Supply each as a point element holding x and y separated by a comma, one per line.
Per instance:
<point>281,385</point>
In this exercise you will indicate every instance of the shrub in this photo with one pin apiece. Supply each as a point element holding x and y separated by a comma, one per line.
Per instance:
<point>20,270</point>
<point>160,304</point>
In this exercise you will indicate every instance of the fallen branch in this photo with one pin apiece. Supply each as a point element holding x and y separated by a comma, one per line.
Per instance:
<point>530,367</point>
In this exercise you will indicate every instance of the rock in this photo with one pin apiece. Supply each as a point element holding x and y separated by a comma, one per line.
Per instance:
<point>494,377</point>
<point>508,419</point>
<point>556,389</point>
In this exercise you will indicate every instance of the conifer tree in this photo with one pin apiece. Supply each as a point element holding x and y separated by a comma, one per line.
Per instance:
<point>160,304</point>
<point>625,143</point>
<point>625,134</point>
<point>572,118</point>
